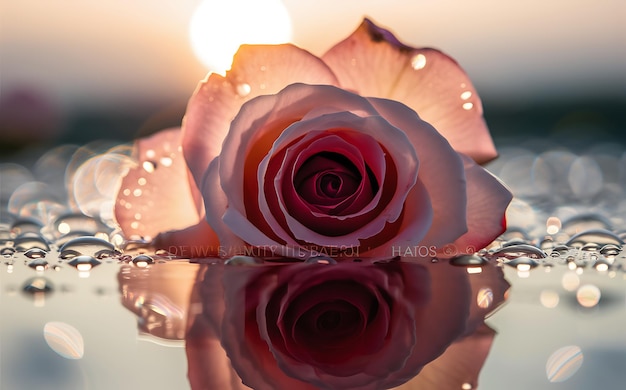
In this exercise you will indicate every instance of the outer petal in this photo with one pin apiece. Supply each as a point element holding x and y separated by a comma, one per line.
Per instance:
<point>156,195</point>
<point>257,70</point>
<point>487,200</point>
<point>441,173</point>
<point>374,63</point>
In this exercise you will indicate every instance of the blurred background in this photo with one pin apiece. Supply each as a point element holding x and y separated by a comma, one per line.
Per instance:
<point>74,71</point>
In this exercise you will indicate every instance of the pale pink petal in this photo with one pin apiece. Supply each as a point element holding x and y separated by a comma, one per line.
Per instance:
<point>156,195</point>
<point>487,200</point>
<point>374,63</point>
<point>441,173</point>
<point>216,204</point>
<point>256,70</point>
<point>195,241</point>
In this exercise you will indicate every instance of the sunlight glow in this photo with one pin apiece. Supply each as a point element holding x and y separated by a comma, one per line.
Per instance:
<point>218,28</point>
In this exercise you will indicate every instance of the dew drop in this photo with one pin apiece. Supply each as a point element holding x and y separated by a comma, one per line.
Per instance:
<point>26,225</point>
<point>468,106</point>
<point>149,166</point>
<point>64,339</point>
<point>610,250</point>
<point>243,89</point>
<point>243,260</point>
<point>594,236</point>
<point>520,250</point>
<point>35,253</point>
<point>166,161</point>
<point>522,263</point>
<point>141,181</point>
<point>142,261</point>
<point>418,61</point>
<point>466,95</point>
<point>469,261</point>
<point>84,263</point>
<point>563,363</point>
<point>7,251</point>
<point>30,241</point>
<point>39,265</point>
<point>70,223</point>
<point>467,386</point>
<point>320,260</point>
<point>87,245</point>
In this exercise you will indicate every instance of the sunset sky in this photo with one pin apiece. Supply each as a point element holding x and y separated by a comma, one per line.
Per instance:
<point>100,53</point>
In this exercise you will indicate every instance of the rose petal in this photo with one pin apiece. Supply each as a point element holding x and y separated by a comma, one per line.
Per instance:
<point>487,200</point>
<point>216,204</point>
<point>156,195</point>
<point>441,174</point>
<point>374,63</point>
<point>256,70</point>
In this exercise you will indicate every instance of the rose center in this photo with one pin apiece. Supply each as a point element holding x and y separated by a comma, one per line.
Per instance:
<point>327,178</point>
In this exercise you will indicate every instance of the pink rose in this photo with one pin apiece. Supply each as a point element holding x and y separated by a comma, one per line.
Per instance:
<point>294,151</point>
<point>344,326</point>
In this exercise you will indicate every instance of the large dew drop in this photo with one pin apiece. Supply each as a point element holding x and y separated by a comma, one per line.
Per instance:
<point>64,339</point>
<point>89,246</point>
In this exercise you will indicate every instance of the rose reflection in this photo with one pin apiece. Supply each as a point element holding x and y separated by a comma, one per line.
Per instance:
<point>330,326</point>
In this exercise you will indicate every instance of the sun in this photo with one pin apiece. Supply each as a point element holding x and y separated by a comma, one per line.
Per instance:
<point>219,27</point>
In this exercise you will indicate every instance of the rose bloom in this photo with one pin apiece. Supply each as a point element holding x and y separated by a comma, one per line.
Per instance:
<point>344,326</point>
<point>374,147</point>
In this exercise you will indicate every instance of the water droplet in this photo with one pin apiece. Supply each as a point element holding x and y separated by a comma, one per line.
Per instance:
<point>595,236</point>
<point>320,260</point>
<point>142,261</point>
<point>30,241</point>
<point>26,225</point>
<point>467,386</point>
<point>469,261</point>
<point>588,295</point>
<point>520,250</point>
<point>149,166</point>
<point>610,250</point>
<point>38,265</point>
<point>35,253</point>
<point>243,260</point>
<point>84,263</point>
<point>87,245</point>
<point>7,251</point>
<point>64,339</point>
<point>484,298</point>
<point>468,106</point>
<point>585,221</point>
<point>166,161</point>
<point>563,363</point>
<point>523,263</point>
<point>418,61</point>
<point>38,285</point>
<point>71,223</point>
<point>466,95</point>
<point>243,89</point>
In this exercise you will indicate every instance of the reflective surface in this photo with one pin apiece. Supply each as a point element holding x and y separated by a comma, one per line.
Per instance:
<point>81,308</point>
